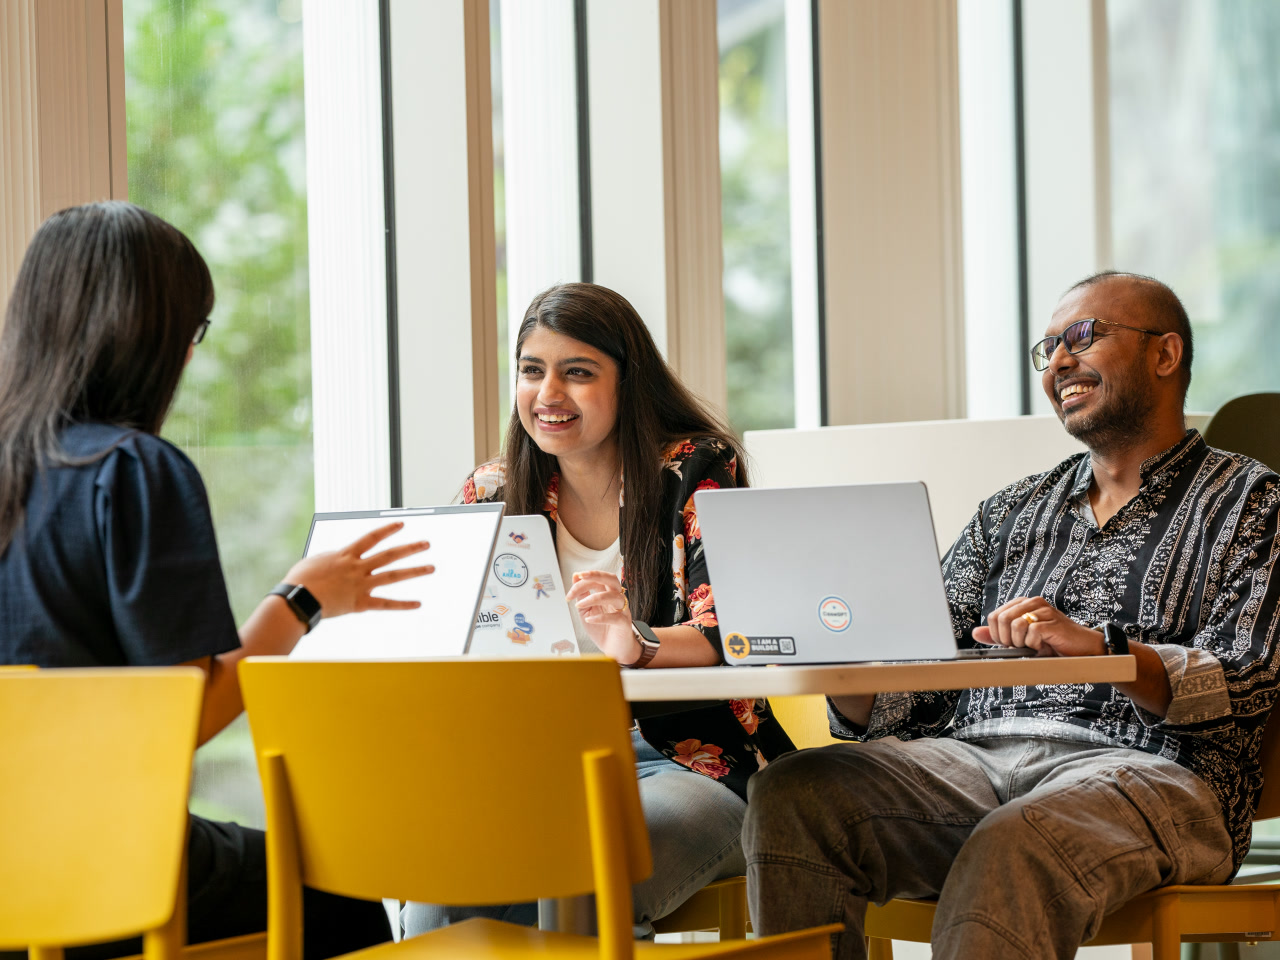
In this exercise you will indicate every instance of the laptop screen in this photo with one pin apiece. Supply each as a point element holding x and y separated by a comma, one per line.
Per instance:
<point>461,538</point>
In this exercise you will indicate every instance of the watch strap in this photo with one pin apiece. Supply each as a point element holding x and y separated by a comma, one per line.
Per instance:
<point>301,601</point>
<point>649,644</point>
<point>1115,639</point>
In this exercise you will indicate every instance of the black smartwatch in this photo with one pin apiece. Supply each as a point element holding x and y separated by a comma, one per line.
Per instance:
<point>648,644</point>
<point>1115,639</point>
<point>304,606</point>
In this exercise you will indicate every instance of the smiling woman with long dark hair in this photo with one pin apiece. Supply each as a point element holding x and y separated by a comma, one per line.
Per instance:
<point>107,550</point>
<point>608,444</point>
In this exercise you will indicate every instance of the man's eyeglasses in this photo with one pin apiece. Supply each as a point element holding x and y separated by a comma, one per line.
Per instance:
<point>1077,338</point>
<point>200,332</point>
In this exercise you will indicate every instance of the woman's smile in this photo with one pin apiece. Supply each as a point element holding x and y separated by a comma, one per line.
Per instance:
<point>554,420</point>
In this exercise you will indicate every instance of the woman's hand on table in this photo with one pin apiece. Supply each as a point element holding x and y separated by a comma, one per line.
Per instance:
<point>602,605</point>
<point>343,581</point>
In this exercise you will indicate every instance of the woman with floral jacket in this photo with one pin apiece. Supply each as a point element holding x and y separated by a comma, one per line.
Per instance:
<point>607,443</point>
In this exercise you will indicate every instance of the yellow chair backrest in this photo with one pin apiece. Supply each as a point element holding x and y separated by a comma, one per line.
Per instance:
<point>805,720</point>
<point>450,781</point>
<point>95,767</point>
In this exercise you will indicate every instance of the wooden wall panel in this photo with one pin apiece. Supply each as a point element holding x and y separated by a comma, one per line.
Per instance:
<point>62,131</point>
<point>691,163</point>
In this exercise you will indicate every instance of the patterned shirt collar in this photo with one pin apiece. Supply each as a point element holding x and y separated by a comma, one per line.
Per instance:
<point>1155,471</point>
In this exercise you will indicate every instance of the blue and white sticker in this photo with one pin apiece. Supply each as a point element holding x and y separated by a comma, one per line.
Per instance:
<point>511,570</point>
<point>835,614</point>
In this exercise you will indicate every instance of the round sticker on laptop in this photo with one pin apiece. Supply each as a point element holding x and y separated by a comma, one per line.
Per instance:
<point>511,570</point>
<point>737,645</point>
<point>835,614</point>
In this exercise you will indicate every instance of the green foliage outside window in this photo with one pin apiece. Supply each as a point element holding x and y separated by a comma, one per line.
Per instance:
<point>216,145</point>
<point>755,206</point>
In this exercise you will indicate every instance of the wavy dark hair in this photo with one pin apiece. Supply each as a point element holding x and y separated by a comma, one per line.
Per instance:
<point>107,301</point>
<point>654,410</point>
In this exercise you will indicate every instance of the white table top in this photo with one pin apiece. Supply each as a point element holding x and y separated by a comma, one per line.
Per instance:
<point>740,683</point>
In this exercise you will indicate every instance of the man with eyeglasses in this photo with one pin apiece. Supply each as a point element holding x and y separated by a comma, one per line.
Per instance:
<point>1032,812</point>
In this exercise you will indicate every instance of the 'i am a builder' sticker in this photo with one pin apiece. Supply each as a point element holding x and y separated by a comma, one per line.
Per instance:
<point>740,647</point>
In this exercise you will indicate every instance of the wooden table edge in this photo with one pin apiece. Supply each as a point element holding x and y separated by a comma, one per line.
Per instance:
<point>734,683</point>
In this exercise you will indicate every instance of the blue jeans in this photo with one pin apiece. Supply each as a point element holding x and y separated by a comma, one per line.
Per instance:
<point>694,828</point>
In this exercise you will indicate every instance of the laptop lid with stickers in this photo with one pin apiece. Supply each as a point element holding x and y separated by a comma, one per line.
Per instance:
<point>836,574</point>
<point>522,612</point>
<point>462,545</point>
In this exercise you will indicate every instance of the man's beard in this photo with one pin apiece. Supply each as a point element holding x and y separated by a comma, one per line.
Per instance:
<point>1118,422</point>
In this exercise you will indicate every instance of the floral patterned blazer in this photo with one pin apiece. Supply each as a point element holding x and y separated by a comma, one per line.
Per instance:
<point>729,741</point>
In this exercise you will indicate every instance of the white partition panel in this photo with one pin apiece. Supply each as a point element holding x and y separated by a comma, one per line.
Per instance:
<point>962,462</point>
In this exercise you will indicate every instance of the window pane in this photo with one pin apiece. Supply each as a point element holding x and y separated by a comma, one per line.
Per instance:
<point>535,134</point>
<point>1195,153</point>
<point>505,375</point>
<point>214,111</point>
<point>755,194</point>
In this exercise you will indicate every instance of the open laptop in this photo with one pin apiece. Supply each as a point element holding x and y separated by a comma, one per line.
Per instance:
<point>462,545</point>
<point>828,575</point>
<point>522,612</point>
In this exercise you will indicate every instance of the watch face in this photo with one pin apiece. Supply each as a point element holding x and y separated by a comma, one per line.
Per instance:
<point>1116,639</point>
<point>645,632</point>
<point>305,602</point>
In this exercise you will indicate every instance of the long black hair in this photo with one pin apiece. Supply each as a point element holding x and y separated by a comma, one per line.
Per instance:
<point>654,410</point>
<point>107,301</point>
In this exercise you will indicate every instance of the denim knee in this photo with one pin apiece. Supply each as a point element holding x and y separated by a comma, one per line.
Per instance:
<point>796,801</point>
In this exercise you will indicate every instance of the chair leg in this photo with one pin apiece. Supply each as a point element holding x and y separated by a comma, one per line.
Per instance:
<point>1166,941</point>
<point>878,949</point>
<point>733,913</point>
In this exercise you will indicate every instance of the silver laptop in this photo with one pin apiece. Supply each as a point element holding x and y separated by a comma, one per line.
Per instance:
<point>462,545</point>
<point>522,612</point>
<point>827,575</point>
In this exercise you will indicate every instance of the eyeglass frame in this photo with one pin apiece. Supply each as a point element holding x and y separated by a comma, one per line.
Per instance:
<point>202,328</point>
<point>1061,339</point>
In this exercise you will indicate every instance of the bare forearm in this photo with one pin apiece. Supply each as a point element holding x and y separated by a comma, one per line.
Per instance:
<point>683,646</point>
<point>271,630</point>
<point>1151,690</point>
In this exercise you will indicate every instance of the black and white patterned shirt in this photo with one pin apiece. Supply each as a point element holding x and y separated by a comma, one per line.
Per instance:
<point>1190,566</point>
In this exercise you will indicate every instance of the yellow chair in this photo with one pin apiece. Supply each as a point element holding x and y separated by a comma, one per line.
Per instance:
<point>723,905</point>
<point>96,769</point>
<point>464,782</point>
<point>1165,918</point>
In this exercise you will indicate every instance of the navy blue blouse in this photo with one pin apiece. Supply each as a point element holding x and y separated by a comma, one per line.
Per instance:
<point>115,563</point>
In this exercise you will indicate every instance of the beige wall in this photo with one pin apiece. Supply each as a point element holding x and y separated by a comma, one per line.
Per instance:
<point>61,114</point>
<point>889,88</point>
